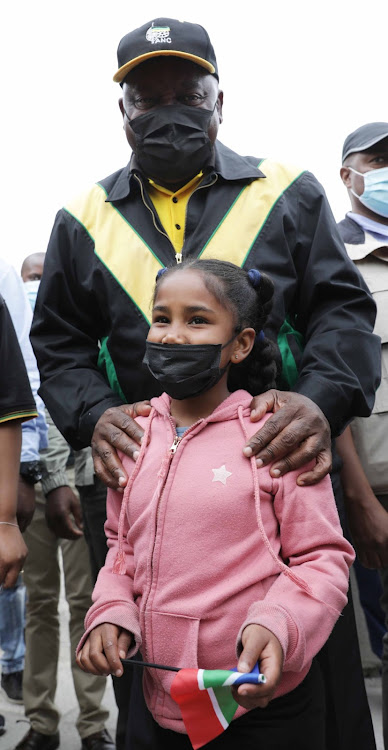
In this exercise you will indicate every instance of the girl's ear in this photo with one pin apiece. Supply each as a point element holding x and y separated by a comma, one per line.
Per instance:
<point>243,345</point>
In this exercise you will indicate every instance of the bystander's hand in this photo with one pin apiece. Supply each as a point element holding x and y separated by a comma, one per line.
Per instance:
<point>259,645</point>
<point>117,430</point>
<point>26,504</point>
<point>368,525</point>
<point>13,552</point>
<point>104,647</point>
<point>63,513</point>
<point>297,432</point>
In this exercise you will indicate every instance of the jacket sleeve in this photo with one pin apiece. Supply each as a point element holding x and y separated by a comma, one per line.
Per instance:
<point>340,363</point>
<point>306,599</point>
<point>54,459</point>
<point>112,597</point>
<point>64,335</point>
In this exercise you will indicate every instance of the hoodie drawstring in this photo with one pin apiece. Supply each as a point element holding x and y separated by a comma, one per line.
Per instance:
<point>281,565</point>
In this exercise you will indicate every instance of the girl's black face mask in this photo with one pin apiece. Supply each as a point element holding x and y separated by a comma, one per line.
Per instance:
<point>185,370</point>
<point>172,142</point>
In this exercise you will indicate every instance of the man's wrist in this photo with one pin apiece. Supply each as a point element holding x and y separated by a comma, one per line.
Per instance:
<point>31,471</point>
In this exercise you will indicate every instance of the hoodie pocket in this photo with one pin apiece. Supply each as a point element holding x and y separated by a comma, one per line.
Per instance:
<point>173,639</point>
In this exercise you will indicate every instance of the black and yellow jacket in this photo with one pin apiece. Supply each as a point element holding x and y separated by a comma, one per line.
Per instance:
<point>94,303</point>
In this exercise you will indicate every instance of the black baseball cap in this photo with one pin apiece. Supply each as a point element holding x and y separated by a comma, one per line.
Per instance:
<point>364,137</point>
<point>165,36</point>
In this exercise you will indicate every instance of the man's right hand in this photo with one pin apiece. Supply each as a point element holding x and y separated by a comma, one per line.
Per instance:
<point>117,430</point>
<point>63,513</point>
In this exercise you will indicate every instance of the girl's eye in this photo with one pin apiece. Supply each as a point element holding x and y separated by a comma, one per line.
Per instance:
<point>159,319</point>
<point>198,321</point>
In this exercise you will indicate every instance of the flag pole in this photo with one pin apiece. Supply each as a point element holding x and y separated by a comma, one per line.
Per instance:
<point>134,662</point>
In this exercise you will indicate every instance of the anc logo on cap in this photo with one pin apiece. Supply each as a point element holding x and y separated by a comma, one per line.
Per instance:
<point>158,35</point>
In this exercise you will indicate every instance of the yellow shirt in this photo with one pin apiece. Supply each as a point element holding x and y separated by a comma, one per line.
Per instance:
<point>171,208</point>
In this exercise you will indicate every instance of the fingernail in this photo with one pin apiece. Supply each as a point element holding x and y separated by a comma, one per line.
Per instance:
<point>253,413</point>
<point>242,667</point>
<point>247,452</point>
<point>259,462</point>
<point>122,481</point>
<point>275,472</point>
<point>118,672</point>
<point>135,455</point>
<point>122,654</point>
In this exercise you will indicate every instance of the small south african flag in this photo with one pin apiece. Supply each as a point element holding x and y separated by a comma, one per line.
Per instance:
<point>206,701</point>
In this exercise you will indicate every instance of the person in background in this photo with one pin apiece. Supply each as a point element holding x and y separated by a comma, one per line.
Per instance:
<point>42,580</point>
<point>34,438</point>
<point>183,195</point>
<point>364,445</point>
<point>17,404</point>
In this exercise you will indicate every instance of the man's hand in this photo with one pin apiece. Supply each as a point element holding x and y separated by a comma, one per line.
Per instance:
<point>368,524</point>
<point>26,504</point>
<point>63,513</point>
<point>103,649</point>
<point>117,430</point>
<point>13,552</point>
<point>260,645</point>
<point>297,432</point>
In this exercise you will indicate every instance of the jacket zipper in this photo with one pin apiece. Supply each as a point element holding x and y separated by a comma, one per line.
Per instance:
<point>178,256</point>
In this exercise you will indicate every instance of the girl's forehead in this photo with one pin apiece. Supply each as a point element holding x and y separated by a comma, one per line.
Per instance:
<point>188,282</point>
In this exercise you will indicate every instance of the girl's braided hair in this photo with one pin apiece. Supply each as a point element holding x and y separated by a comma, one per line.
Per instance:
<point>248,295</point>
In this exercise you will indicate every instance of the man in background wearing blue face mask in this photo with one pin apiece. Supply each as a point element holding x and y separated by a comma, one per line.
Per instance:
<point>364,448</point>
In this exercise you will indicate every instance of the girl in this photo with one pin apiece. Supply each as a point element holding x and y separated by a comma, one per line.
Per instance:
<point>208,554</point>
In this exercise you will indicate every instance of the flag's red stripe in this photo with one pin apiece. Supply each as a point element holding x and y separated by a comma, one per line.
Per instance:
<point>197,710</point>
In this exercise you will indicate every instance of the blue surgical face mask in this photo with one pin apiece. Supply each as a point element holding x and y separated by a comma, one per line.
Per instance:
<point>31,288</point>
<point>375,195</point>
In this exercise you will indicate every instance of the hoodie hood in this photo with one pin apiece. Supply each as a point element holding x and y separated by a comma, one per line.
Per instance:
<point>228,409</point>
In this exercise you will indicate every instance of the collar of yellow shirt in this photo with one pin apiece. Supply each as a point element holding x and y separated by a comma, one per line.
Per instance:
<point>171,208</point>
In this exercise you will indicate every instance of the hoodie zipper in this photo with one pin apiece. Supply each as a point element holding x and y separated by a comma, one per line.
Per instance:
<point>171,453</point>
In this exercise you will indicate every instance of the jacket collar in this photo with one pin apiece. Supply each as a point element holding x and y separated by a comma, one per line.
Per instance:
<point>360,244</point>
<point>227,164</point>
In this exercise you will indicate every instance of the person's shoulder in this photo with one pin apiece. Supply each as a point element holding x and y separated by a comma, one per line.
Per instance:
<point>350,231</point>
<point>88,198</point>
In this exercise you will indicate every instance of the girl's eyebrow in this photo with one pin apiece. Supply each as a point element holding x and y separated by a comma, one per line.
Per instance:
<point>189,308</point>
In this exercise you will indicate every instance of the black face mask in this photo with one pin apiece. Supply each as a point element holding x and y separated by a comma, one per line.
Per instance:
<point>172,142</point>
<point>185,370</point>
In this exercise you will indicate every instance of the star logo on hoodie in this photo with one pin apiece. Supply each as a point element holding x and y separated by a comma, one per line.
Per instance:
<point>221,474</point>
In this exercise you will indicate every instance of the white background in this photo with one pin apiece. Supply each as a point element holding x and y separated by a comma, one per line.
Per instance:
<point>297,75</point>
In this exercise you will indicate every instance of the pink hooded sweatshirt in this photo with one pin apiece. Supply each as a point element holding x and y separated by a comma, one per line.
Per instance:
<point>204,543</point>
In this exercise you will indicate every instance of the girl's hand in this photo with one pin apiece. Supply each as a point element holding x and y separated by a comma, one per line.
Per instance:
<point>102,650</point>
<point>260,645</point>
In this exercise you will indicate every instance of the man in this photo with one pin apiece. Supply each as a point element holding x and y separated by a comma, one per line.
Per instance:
<point>42,580</point>
<point>365,448</point>
<point>185,194</point>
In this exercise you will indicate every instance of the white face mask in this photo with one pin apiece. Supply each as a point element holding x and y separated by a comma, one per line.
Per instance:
<point>31,288</point>
<point>375,195</point>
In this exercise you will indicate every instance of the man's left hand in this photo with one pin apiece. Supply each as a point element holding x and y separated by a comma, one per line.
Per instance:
<point>297,432</point>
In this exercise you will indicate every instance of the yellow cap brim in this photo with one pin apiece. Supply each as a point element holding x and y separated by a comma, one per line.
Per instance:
<point>124,70</point>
